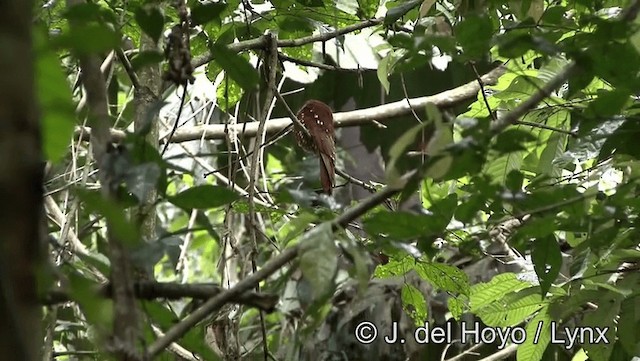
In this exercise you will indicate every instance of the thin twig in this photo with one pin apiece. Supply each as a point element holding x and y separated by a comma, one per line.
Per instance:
<point>469,351</point>
<point>354,180</point>
<point>175,125</point>
<point>548,127</point>
<point>126,64</point>
<point>513,116</point>
<point>284,57</point>
<point>292,115</point>
<point>271,66</point>
<point>484,94</point>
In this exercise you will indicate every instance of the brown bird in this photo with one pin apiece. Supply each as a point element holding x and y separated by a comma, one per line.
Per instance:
<point>317,117</point>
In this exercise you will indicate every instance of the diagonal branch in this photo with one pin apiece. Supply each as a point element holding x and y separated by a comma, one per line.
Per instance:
<point>272,266</point>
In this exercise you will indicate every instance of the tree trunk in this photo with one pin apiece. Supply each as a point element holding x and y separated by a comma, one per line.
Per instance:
<point>20,186</point>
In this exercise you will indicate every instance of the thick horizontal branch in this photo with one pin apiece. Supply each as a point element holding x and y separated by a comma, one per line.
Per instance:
<point>148,290</point>
<point>379,113</point>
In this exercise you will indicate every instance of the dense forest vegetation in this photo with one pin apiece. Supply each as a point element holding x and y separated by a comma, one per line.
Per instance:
<point>464,186</point>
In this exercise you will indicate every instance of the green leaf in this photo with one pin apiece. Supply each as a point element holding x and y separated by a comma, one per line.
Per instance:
<point>311,3</point>
<point>204,197</point>
<point>474,35</point>
<point>296,226</point>
<point>572,303</point>
<point>54,98</point>
<point>514,45</point>
<point>533,348</point>
<point>399,11</point>
<point>441,160</point>
<point>512,309</point>
<point>361,259</point>
<point>554,148</point>
<point>397,157</point>
<point>445,277</point>
<point>414,303</point>
<point>456,307</point>
<point>119,225</point>
<point>608,103</point>
<point>628,324</point>
<point>483,294</point>
<point>538,227</point>
<point>514,181</point>
<point>85,12</point>
<point>146,58</point>
<point>291,27</point>
<point>605,316</point>
<point>368,8</point>
<point>500,167</point>
<point>319,259</point>
<point>238,68</point>
<point>547,260</point>
<point>160,314</point>
<point>204,13</point>
<point>469,208</point>
<point>228,93</point>
<point>151,20</point>
<point>402,225</point>
<point>97,310</point>
<point>195,341</point>
<point>383,71</point>
<point>89,38</point>
<point>512,140</point>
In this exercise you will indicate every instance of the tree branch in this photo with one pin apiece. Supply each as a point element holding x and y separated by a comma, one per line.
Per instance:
<point>379,113</point>
<point>261,42</point>
<point>271,267</point>
<point>149,290</point>
<point>352,213</point>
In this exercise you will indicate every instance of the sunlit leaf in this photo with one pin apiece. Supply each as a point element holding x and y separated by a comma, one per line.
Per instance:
<point>237,67</point>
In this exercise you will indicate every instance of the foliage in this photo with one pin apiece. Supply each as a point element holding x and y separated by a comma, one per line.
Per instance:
<point>531,228</point>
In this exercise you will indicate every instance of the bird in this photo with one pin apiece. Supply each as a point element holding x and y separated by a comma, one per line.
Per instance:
<point>317,118</point>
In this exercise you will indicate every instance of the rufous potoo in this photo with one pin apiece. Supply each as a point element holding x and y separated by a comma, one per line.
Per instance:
<point>317,117</point>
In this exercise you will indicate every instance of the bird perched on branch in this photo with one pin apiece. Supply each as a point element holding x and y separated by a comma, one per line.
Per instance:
<point>317,117</point>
